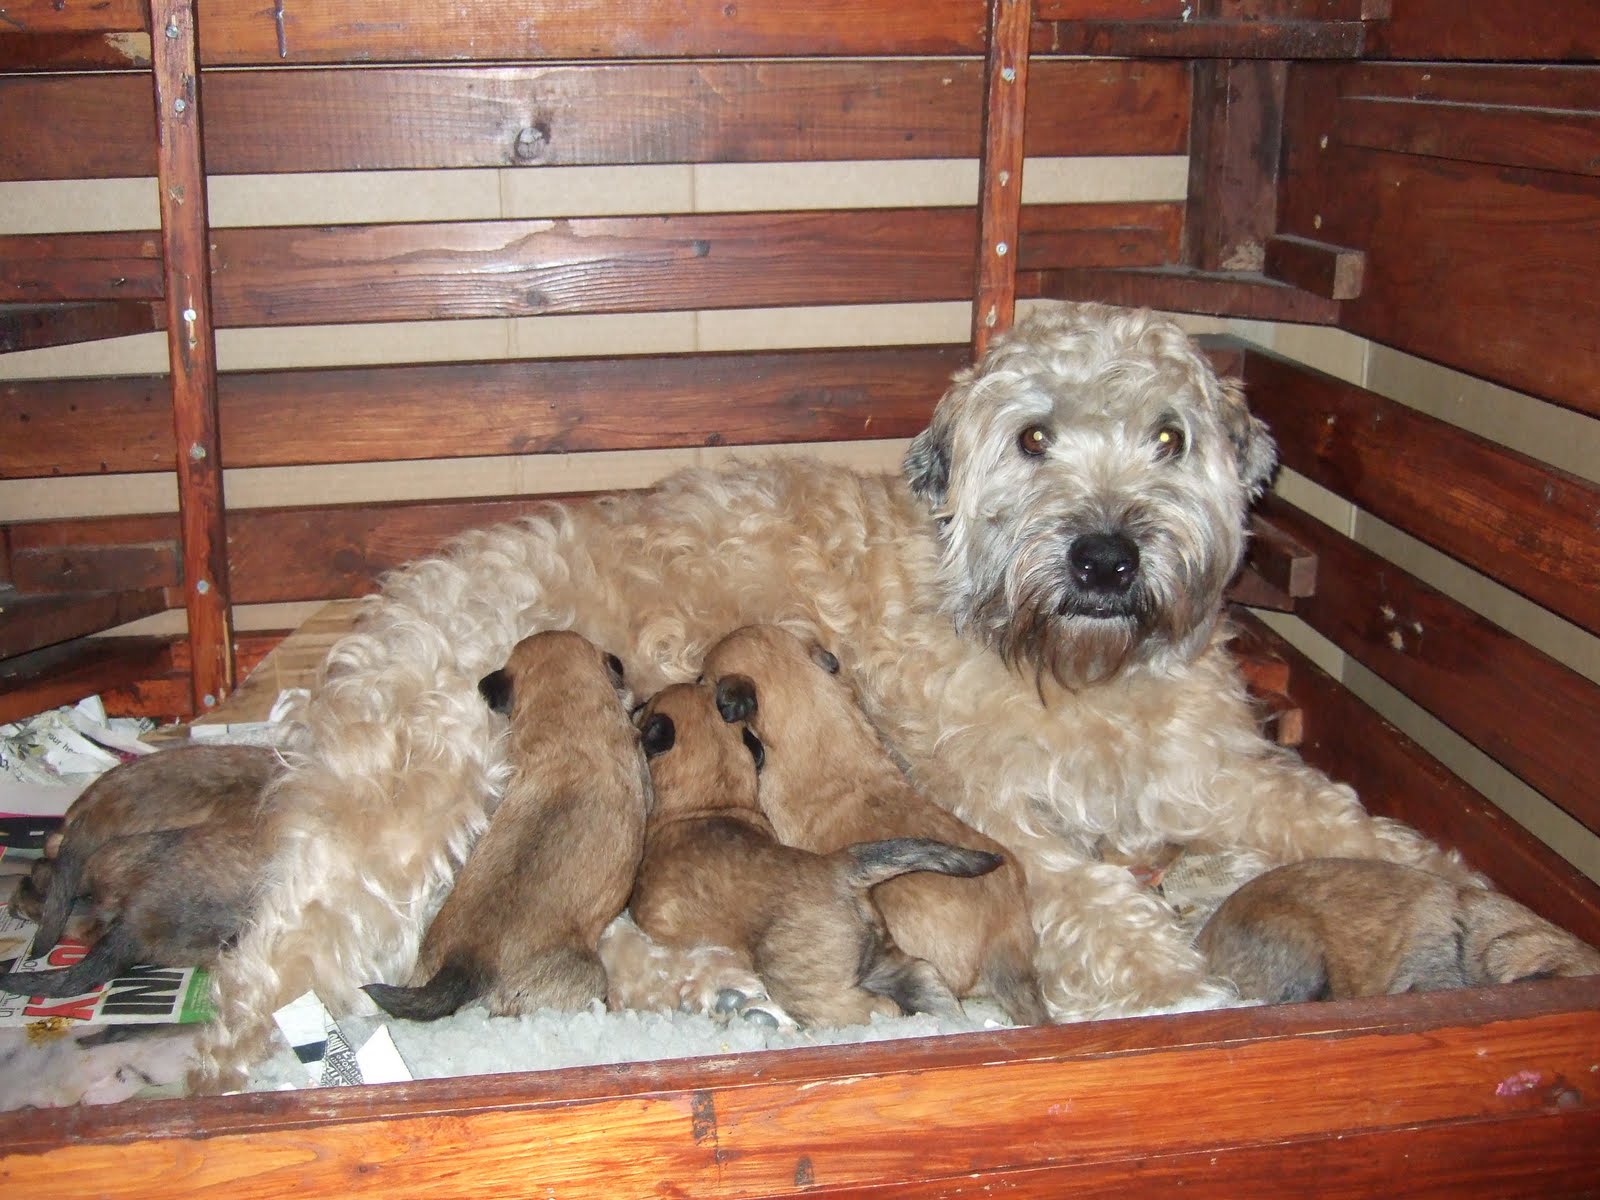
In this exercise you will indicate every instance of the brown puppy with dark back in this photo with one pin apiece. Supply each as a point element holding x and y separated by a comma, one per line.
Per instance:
<point>830,781</point>
<point>1332,928</point>
<point>167,850</point>
<point>520,926</point>
<point>713,873</point>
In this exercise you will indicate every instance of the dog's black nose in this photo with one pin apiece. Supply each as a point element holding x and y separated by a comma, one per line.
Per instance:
<point>1104,562</point>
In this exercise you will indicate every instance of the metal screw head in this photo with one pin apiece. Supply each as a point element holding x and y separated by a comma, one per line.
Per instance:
<point>172,30</point>
<point>1009,74</point>
<point>208,700</point>
<point>190,315</point>
<point>197,452</point>
<point>180,105</point>
<point>1002,249</point>
<point>202,587</point>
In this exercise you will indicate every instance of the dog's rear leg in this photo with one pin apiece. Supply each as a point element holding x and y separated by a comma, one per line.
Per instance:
<point>113,952</point>
<point>913,984</point>
<point>641,973</point>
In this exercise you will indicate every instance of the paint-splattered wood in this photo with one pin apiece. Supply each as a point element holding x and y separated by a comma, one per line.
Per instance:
<point>191,346</point>
<point>1000,160</point>
<point>1498,241</point>
<point>813,1122</point>
<point>1524,709</point>
<point>1397,778</point>
<point>391,118</point>
<point>1525,524</point>
<point>368,414</point>
<point>1220,293</point>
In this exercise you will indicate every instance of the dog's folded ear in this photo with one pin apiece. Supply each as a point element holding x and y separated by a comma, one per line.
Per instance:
<point>736,698</point>
<point>658,734</point>
<point>927,465</point>
<point>1257,453</point>
<point>495,687</point>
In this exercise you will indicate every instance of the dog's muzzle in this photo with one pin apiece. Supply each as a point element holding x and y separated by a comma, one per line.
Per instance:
<point>1103,569</point>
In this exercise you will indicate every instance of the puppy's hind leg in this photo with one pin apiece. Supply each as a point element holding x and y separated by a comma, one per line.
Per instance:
<point>1011,980</point>
<point>113,953</point>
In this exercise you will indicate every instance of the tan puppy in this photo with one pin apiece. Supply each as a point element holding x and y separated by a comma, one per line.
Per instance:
<point>166,849</point>
<point>520,926</point>
<point>714,873</point>
<point>829,781</point>
<point>1331,928</point>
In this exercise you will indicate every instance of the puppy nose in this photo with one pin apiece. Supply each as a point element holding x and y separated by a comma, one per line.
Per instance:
<point>1104,562</point>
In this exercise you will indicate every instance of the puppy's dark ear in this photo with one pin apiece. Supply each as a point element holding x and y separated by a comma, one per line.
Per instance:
<point>614,665</point>
<point>757,750</point>
<point>658,734</point>
<point>736,698</point>
<point>495,687</point>
<point>927,465</point>
<point>825,658</point>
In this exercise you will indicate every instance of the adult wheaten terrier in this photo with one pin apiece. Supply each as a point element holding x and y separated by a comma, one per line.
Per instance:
<point>1029,614</point>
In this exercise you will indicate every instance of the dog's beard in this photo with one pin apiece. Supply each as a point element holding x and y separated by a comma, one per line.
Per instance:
<point>1027,606</point>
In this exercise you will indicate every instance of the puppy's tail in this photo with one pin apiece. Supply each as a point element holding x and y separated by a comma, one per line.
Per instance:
<point>456,983</point>
<point>113,953</point>
<point>60,895</point>
<point>874,862</point>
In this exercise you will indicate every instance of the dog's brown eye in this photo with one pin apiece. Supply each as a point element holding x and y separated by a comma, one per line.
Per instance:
<point>1034,440</point>
<point>1169,442</point>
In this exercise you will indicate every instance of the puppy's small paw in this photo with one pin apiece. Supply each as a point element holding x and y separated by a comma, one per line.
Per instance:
<point>758,1008</point>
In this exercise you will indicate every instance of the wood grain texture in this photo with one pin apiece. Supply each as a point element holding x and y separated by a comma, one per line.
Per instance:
<point>31,621</point>
<point>1525,524</point>
<point>1178,289</point>
<point>64,674</point>
<point>369,414</point>
<point>813,1122</point>
<point>1397,778</point>
<point>35,326</point>
<point>1499,242</point>
<point>191,348</point>
<point>1332,271</point>
<point>407,30</point>
<point>1533,715</point>
<point>1204,38</point>
<point>72,16</point>
<point>1551,31</point>
<point>1000,161</point>
<point>63,267</point>
<point>1542,139</point>
<point>265,121</point>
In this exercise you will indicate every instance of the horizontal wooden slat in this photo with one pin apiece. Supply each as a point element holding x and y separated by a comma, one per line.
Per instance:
<point>1220,293</point>
<point>64,674</point>
<point>1562,140</point>
<point>74,51</point>
<point>308,275</point>
<point>1528,86</point>
<point>1525,524</point>
<point>1525,710</point>
<point>362,414</point>
<point>409,30</point>
<point>812,1122</point>
<point>270,121</point>
<point>1397,778</point>
<point>1497,242</point>
<point>29,622</point>
<point>1549,31</point>
<point>73,16</point>
<point>1207,38</point>
<point>34,326</point>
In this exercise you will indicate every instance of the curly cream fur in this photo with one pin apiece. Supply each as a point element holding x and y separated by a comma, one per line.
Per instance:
<point>1046,727</point>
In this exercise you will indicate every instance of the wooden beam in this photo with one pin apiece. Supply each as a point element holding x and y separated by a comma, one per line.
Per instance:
<point>192,350</point>
<point>1325,270</point>
<point>66,673</point>
<point>73,16</point>
<point>1000,162</point>
<point>1525,524</point>
<point>31,621</point>
<point>34,326</point>
<point>1204,38</point>
<point>1179,289</point>
<point>1528,712</point>
<point>267,121</point>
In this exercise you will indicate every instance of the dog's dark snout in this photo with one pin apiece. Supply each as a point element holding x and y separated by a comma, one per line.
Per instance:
<point>1104,562</point>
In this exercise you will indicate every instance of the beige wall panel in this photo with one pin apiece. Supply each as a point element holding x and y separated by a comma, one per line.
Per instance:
<point>141,354</point>
<point>835,325</point>
<point>354,197</point>
<point>595,191</point>
<point>79,206</point>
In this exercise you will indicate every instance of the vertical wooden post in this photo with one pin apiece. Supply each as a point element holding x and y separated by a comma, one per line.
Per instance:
<point>1005,102</point>
<point>191,347</point>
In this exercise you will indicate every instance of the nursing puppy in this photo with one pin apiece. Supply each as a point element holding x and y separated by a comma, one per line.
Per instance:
<point>1331,928</point>
<point>519,928</point>
<point>166,849</point>
<point>714,873</point>
<point>829,781</point>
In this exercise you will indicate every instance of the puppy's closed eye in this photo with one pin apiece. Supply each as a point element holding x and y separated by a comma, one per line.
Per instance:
<point>658,734</point>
